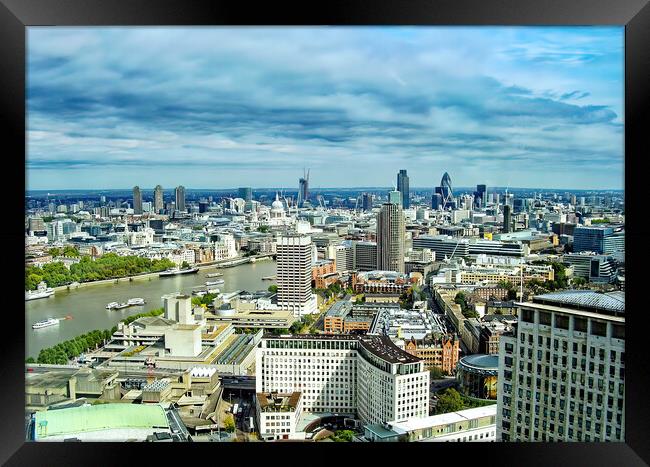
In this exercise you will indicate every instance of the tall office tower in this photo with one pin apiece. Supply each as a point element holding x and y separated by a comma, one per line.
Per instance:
<point>180,198</point>
<point>294,256</point>
<point>395,197</point>
<point>403,187</point>
<point>436,200</point>
<point>137,200</point>
<point>390,238</point>
<point>158,199</point>
<point>367,199</point>
<point>246,193</point>
<point>303,189</point>
<point>562,372</point>
<point>507,218</point>
<point>509,200</point>
<point>446,191</point>
<point>480,196</point>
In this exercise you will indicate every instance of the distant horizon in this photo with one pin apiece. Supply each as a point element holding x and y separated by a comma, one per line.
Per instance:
<point>315,189</point>
<point>497,105</point>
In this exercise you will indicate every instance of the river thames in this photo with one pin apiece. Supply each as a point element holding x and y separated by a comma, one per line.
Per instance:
<point>86,306</point>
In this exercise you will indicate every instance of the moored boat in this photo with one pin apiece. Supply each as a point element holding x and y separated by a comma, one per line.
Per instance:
<point>177,271</point>
<point>42,291</point>
<point>136,301</point>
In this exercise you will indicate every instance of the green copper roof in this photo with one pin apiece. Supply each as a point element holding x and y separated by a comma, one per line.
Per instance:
<point>98,417</point>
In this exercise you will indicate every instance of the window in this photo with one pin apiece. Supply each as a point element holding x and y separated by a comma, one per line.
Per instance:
<point>598,328</point>
<point>561,321</point>
<point>580,324</point>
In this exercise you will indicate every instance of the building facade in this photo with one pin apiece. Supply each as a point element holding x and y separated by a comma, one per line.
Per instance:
<point>390,238</point>
<point>180,198</point>
<point>158,199</point>
<point>442,353</point>
<point>367,376</point>
<point>137,200</point>
<point>563,371</point>
<point>294,274</point>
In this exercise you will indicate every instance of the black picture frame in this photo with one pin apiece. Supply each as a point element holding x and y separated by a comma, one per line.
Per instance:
<point>16,15</point>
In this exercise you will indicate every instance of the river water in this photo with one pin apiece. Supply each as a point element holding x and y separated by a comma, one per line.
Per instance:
<point>86,306</point>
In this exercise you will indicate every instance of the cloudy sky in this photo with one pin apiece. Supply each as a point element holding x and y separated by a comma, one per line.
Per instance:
<point>227,107</point>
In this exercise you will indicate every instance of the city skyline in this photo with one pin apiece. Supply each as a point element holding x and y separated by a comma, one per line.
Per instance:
<point>502,106</point>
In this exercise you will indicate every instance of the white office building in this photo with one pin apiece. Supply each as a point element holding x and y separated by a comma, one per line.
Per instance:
<point>562,372</point>
<point>367,376</point>
<point>294,266</point>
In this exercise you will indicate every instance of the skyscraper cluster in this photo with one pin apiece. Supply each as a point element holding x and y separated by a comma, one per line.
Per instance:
<point>158,200</point>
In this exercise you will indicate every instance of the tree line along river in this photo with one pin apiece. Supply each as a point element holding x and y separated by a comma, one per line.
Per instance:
<point>86,306</point>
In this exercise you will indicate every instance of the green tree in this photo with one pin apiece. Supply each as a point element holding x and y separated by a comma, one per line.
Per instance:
<point>345,436</point>
<point>273,288</point>
<point>449,401</point>
<point>71,251</point>
<point>578,281</point>
<point>229,423</point>
<point>185,265</point>
<point>263,228</point>
<point>30,360</point>
<point>54,252</point>
<point>436,373</point>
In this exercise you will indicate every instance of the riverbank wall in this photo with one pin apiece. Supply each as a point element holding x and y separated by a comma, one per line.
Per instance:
<point>147,276</point>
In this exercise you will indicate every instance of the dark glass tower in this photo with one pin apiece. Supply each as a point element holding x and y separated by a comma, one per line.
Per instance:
<point>303,189</point>
<point>507,218</point>
<point>403,187</point>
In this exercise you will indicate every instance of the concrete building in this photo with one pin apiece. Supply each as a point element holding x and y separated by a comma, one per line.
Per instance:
<point>137,200</point>
<point>278,415</point>
<point>365,256</point>
<point>367,376</point>
<point>104,422</point>
<point>390,238</point>
<point>180,198</point>
<point>563,371</point>
<point>592,267</point>
<point>294,274</point>
<point>470,425</point>
<point>158,204</point>
<point>344,255</point>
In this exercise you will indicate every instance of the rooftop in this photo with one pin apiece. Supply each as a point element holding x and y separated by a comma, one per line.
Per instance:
<point>446,418</point>
<point>480,362</point>
<point>97,418</point>
<point>339,309</point>
<point>278,402</point>
<point>585,299</point>
<point>320,337</point>
<point>384,348</point>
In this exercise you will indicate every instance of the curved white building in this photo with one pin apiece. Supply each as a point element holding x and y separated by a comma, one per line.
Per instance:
<point>367,376</point>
